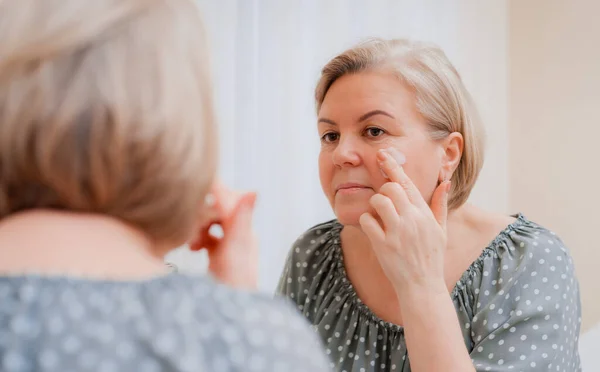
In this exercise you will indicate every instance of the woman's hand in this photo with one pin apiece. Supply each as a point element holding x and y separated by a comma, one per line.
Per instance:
<point>233,257</point>
<point>407,235</point>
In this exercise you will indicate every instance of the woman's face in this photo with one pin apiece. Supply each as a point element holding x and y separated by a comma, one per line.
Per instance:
<point>361,114</point>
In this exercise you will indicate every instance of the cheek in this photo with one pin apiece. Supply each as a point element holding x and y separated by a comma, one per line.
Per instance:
<point>424,172</point>
<point>422,166</point>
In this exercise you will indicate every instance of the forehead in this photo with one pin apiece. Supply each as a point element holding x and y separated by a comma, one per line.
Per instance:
<point>354,94</point>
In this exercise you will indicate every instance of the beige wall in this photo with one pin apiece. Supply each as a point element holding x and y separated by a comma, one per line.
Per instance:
<point>554,127</point>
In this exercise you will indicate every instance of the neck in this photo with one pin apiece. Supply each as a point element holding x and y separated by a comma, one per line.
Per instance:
<point>64,243</point>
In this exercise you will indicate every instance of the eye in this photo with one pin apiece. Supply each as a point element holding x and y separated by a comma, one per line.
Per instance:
<point>374,132</point>
<point>330,137</point>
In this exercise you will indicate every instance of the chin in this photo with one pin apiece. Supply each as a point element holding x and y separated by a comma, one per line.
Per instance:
<point>350,216</point>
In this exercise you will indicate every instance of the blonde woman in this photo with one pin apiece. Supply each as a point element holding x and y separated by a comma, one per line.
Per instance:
<point>107,151</point>
<point>410,276</point>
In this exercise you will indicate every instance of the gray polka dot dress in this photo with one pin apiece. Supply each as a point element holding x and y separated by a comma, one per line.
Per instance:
<point>172,323</point>
<point>518,304</point>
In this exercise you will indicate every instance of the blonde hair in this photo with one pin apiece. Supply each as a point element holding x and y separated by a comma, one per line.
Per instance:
<point>441,97</point>
<point>105,107</point>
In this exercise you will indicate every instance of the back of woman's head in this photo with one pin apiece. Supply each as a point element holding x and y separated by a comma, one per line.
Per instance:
<point>105,107</point>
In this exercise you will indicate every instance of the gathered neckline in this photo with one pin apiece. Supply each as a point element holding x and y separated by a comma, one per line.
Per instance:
<point>475,267</point>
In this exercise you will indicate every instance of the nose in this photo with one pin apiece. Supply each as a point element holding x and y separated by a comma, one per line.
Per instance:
<point>346,153</point>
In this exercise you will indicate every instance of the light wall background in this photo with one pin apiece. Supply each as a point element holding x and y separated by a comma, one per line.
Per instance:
<point>532,66</point>
<point>554,127</point>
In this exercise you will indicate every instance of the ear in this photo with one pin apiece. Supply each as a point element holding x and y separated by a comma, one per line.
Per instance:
<point>452,149</point>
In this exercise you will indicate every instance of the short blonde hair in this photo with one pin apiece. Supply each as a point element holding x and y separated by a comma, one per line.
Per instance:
<point>441,97</point>
<point>106,107</point>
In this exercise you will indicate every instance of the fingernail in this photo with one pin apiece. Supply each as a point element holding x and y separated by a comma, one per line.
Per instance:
<point>209,200</point>
<point>382,155</point>
<point>396,155</point>
<point>448,187</point>
<point>383,173</point>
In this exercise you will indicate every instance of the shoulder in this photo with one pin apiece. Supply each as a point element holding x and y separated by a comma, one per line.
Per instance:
<point>311,253</point>
<point>316,236</point>
<point>526,287</point>
<point>251,329</point>
<point>524,263</point>
<point>524,247</point>
<point>271,331</point>
<point>179,322</point>
<point>528,273</point>
<point>534,250</point>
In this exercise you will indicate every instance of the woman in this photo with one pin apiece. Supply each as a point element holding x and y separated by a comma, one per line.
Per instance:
<point>106,155</point>
<point>407,270</point>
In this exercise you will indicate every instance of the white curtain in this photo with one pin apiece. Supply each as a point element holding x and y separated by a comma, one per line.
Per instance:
<point>266,58</point>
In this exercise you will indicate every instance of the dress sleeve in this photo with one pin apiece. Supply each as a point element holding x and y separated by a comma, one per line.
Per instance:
<point>527,316</point>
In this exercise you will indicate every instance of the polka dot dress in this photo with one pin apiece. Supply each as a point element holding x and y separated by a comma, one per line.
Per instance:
<point>518,304</point>
<point>174,323</point>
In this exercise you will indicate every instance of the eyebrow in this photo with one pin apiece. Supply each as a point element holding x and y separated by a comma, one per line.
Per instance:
<point>362,118</point>
<point>373,113</point>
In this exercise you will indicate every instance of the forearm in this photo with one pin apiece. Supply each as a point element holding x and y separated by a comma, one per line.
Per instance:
<point>433,335</point>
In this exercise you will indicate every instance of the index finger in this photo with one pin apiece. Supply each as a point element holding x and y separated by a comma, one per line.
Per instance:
<point>392,167</point>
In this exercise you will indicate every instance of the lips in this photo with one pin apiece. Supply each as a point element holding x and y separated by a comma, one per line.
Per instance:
<point>351,186</point>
